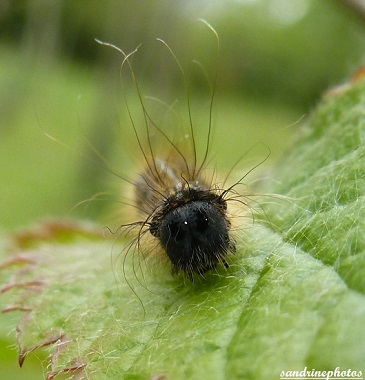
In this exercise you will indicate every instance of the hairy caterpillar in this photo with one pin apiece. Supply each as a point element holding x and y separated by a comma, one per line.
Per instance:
<point>178,204</point>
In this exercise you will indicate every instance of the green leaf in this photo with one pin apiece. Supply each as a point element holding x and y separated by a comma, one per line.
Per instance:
<point>292,298</point>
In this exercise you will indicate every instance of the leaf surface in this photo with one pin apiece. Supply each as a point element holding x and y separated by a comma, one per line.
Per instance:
<point>293,296</point>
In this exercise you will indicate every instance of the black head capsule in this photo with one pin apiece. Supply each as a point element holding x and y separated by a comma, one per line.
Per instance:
<point>193,229</point>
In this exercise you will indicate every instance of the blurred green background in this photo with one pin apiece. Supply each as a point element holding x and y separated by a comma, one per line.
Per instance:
<point>276,59</point>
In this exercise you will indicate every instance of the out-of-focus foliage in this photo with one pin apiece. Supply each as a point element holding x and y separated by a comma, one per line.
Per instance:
<point>281,49</point>
<point>276,57</point>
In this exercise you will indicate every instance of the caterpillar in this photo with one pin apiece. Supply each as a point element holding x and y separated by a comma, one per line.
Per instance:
<point>179,206</point>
